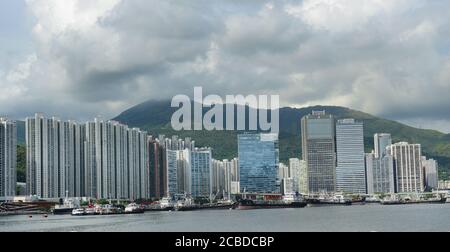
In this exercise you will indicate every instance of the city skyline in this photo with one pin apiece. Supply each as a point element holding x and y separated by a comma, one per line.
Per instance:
<point>106,159</point>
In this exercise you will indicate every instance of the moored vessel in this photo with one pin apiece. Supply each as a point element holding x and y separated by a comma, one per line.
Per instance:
<point>67,207</point>
<point>247,204</point>
<point>165,204</point>
<point>134,208</point>
<point>78,212</point>
<point>337,199</point>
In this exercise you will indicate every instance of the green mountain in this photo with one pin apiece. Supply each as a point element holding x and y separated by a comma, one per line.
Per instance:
<point>155,117</point>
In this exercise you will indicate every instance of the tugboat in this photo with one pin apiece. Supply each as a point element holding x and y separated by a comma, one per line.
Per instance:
<point>134,208</point>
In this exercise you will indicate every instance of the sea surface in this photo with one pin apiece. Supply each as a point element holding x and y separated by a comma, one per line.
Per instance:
<point>369,218</point>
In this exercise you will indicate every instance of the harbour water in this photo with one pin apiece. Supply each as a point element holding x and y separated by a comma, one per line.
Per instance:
<point>369,218</point>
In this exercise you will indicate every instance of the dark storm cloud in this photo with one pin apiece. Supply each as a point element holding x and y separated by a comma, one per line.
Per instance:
<point>390,58</point>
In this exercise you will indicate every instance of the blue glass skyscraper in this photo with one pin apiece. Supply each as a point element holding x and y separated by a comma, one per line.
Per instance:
<point>258,162</point>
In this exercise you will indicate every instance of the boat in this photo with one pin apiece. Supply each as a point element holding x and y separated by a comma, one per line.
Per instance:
<point>189,206</point>
<point>90,211</point>
<point>165,204</point>
<point>78,212</point>
<point>247,204</point>
<point>335,200</point>
<point>133,208</point>
<point>110,210</point>
<point>372,199</point>
<point>408,201</point>
<point>67,207</point>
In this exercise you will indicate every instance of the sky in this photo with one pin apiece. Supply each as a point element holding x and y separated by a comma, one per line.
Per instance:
<point>78,59</point>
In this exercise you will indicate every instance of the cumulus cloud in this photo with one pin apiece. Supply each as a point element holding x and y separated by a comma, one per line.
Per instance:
<point>390,58</point>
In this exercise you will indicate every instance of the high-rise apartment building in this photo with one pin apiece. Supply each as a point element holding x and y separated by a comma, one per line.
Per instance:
<point>157,168</point>
<point>8,158</point>
<point>201,172</point>
<point>99,159</point>
<point>55,157</point>
<point>222,177</point>
<point>298,172</point>
<point>407,166</point>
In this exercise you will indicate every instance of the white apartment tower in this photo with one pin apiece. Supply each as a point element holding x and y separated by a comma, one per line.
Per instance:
<point>116,163</point>
<point>407,166</point>
<point>55,157</point>
<point>8,156</point>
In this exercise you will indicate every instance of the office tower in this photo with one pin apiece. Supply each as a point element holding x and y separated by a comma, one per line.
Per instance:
<point>430,169</point>
<point>380,166</point>
<point>55,157</point>
<point>407,167</point>
<point>318,150</point>
<point>380,174</point>
<point>381,141</point>
<point>350,170</point>
<point>298,171</point>
<point>201,165</point>
<point>258,162</point>
<point>8,157</point>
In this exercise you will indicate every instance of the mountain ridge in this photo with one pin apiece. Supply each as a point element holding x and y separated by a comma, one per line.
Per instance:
<point>155,117</point>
